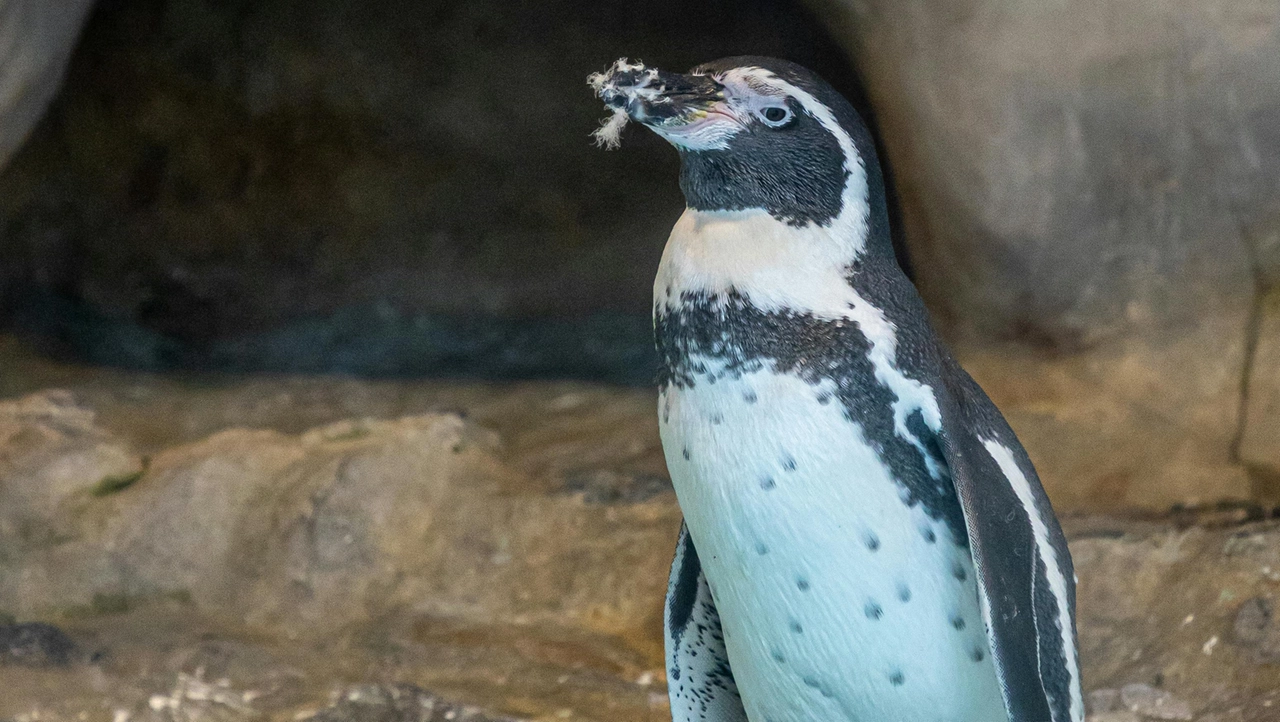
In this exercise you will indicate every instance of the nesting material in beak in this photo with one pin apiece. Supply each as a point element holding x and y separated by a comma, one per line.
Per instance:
<point>614,86</point>
<point>664,101</point>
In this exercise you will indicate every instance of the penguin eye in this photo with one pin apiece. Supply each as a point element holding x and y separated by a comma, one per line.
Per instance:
<point>776,115</point>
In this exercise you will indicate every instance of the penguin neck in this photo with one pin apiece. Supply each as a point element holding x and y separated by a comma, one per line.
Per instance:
<point>775,266</point>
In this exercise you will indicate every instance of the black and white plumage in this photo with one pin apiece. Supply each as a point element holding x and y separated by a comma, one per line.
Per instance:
<point>865,537</point>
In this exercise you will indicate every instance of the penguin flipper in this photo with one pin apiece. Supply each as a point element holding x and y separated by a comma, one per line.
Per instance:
<point>699,682</point>
<point>1025,578</point>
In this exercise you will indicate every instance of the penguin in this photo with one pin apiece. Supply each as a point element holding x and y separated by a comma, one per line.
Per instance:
<point>864,537</point>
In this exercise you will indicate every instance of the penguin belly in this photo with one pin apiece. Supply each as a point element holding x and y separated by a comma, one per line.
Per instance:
<point>838,601</point>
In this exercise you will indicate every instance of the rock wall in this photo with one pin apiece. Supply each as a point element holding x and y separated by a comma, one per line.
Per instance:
<point>36,40</point>
<point>343,185</point>
<point>1090,196</point>
<point>345,523</point>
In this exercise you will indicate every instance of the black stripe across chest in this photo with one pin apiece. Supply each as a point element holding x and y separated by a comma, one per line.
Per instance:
<point>705,338</point>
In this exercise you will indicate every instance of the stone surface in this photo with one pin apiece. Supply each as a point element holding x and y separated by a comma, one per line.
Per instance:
<point>504,546</point>
<point>1102,700</point>
<point>55,457</point>
<point>35,645</point>
<point>1147,701</point>
<point>397,703</point>
<point>1115,716</point>
<point>1093,182</point>
<point>1260,439</point>
<point>36,40</point>
<point>354,520</point>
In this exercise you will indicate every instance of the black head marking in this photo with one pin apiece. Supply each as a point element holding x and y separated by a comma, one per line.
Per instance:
<point>793,168</point>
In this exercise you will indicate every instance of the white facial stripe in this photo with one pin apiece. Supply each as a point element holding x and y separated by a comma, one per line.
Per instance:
<point>855,208</point>
<point>1053,570</point>
<point>851,227</point>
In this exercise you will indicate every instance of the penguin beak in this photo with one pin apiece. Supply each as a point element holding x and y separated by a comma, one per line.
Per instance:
<point>690,111</point>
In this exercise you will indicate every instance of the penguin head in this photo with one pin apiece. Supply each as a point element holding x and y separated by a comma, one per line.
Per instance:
<point>753,133</point>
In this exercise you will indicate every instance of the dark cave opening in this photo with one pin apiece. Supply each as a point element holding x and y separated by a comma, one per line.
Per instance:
<point>403,188</point>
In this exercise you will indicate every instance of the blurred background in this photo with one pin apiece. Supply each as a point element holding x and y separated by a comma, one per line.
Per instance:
<point>325,352</point>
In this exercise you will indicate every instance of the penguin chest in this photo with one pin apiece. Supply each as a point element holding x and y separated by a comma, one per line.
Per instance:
<point>839,598</point>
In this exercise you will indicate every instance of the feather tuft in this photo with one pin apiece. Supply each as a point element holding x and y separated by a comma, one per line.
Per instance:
<point>609,134</point>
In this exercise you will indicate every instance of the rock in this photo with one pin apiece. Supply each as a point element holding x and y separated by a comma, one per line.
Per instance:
<point>35,644</point>
<point>1253,620</point>
<point>1255,628</point>
<point>398,703</point>
<point>36,40</point>
<point>1260,440</point>
<point>1232,715</point>
<point>54,458</point>
<point>1154,703</point>
<point>1114,716</point>
<point>354,519</point>
<point>605,487</point>
<point>1102,700</point>
<point>1079,188</point>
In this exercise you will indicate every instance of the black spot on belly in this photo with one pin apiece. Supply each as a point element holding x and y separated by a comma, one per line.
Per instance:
<point>897,678</point>
<point>929,535</point>
<point>768,483</point>
<point>802,584</point>
<point>761,548</point>
<point>788,463</point>
<point>824,398</point>
<point>717,419</point>
<point>750,397</point>
<point>813,683</point>
<point>777,656</point>
<point>740,337</point>
<point>796,628</point>
<point>687,455</point>
<point>872,541</point>
<point>904,593</point>
<point>873,610</point>
<point>977,655</point>
<point>958,622</point>
<point>958,572</point>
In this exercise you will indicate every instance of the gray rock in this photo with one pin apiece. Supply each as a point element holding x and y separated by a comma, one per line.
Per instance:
<point>56,459</point>
<point>1154,703</point>
<point>1253,620</point>
<point>399,703</point>
<point>1260,440</point>
<point>36,40</point>
<point>1114,716</point>
<point>347,521</point>
<point>35,644</point>
<point>1255,627</point>
<point>1102,700</point>
<point>1079,182</point>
